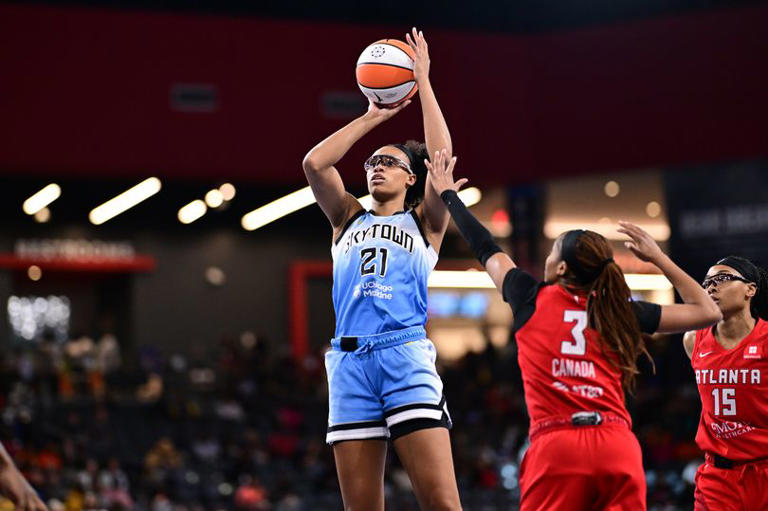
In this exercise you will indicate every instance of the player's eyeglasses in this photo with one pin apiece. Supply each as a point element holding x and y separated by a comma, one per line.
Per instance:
<point>386,161</point>
<point>720,278</point>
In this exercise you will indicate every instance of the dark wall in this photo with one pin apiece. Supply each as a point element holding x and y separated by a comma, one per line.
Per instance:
<point>174,307</point>
<point>718,210</point>
<point>88,92</point>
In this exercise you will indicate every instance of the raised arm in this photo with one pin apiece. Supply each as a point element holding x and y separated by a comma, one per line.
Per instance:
<point>495,261</point>
<point>689,339</point>
<point>698,309</point>
<point>15,487</point>
<point>319,164</point>
<point>436,136</point>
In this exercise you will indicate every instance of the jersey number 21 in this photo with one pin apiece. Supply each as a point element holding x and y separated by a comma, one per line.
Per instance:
<point>369,261</point>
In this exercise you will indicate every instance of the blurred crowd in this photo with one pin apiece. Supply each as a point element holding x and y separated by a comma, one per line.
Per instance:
<point>242,426</point>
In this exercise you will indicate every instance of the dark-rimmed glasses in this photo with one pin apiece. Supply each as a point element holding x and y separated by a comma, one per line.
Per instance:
<point>720,278</point>
<point>386,161</point>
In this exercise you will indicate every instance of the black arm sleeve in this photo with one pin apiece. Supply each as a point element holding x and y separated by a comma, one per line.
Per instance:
<point>517,288</point>
<point>648,315</point>
<point>519,291</point>
<point>479,239</point>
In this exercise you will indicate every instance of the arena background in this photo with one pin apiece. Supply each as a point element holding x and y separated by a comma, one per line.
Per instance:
<point>153,364</point>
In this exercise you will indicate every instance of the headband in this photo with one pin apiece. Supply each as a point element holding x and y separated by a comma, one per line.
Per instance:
<point>407,152</point>
<point>747,269</point>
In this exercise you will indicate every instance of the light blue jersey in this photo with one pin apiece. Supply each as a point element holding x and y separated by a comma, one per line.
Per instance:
<point>380,270</point>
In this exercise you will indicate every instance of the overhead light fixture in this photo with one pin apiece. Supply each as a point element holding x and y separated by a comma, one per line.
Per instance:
<point>214,198</point>
<point>653,209</point>
<point>481,280</point>
<point>125,201</point>
<point>460,279</point>
<point>470,196</point>
<point>41,199</point>
<point>192,211</point>
<point>612,188</point>
<point>277,209</point>
<point>34,273</point>
<point>647,282</point>
<point>42,216</point>
<point>658,230</point>
<point>227,191</point>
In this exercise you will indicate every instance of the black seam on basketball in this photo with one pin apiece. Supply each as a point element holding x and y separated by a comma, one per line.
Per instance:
<point>405,408</point>
<point>348,224</point>
<point>356,425</point>
<point>385,65</point>
<point>390,87</point>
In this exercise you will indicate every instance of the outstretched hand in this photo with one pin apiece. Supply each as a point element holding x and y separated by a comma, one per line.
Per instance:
<point>418,44</point>
<point>642,244</point>
<point>441,173</point>
<point>381,114</point>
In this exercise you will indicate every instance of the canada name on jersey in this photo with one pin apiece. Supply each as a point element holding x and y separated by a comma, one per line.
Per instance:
<point>379,231</point>
<point>570,368</point>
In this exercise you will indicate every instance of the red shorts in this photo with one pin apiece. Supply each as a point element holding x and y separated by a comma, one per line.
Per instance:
<point>583,468</point>
<point>742,488</point>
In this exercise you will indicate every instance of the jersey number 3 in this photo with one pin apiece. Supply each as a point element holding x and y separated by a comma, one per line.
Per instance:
<point>578,346</point>
<point>369,262</point>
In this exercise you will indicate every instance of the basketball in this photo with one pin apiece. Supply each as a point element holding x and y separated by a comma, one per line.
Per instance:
<point>385,72</point>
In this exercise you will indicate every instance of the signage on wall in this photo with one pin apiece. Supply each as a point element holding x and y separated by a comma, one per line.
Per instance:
<point>718,210</point>
<point>76,255</point>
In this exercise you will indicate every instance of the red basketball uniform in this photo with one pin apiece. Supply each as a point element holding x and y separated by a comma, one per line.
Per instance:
<point>733,429</point>
<point>583,454</point>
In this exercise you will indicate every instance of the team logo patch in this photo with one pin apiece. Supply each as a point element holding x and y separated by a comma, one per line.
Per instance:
<point>753,351</point>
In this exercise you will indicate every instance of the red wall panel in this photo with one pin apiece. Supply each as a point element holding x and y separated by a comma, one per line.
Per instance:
<point>86,92</point>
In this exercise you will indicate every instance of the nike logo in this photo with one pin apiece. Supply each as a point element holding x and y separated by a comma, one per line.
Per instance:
<point>702,355</point>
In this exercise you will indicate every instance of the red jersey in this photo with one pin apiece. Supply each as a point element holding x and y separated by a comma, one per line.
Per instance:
<point>564,367</point>
<point>733,386</point>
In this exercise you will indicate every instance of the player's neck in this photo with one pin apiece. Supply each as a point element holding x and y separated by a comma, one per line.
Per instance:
<point>732,329</point>
<point>387,208</point>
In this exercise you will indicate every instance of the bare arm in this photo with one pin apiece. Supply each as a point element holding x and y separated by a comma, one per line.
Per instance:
<point>698,309</point>
<point>497,266</point>
<point>15,487</point>
<point>496,262</point>
<point>688,341</point>
<point>319,165</point>
<point>436,136</point>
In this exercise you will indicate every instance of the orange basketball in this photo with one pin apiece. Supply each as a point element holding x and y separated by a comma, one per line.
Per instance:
<point>385,72</point>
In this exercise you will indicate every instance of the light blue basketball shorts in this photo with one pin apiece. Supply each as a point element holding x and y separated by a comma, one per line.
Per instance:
<point>383,386</point>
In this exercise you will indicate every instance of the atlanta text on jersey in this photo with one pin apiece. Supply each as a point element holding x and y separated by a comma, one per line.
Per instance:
<point>728,376</point>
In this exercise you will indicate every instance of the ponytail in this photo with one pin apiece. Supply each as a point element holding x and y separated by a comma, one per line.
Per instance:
<point>609,301</point>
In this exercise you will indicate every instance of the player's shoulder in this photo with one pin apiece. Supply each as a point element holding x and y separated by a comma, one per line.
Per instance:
<point>761,329</point>
<point>557,296</point>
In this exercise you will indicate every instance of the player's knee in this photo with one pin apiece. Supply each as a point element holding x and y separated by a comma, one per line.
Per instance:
<point>442,501</point>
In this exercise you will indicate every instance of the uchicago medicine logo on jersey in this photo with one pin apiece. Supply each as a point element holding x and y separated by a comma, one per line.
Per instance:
<point>373,289</point>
